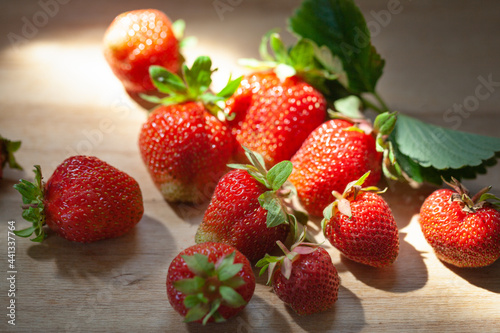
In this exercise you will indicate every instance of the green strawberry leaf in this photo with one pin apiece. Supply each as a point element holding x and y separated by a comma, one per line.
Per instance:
<point>275,212</point>
<point>199,264</point>
<point>198,77</point>
<point>196,313</point>
<point>213,312</point>
<point>279,174</point>
<point>349,106</point>
<point>230,88</point>
<point>228,269</point>
<point>428,152</point>
<point>231,297</point>
<point>193,300</point>
<point>190,286</point>
<point>7,150</point>
<point>166,81</point>
<point>340,26</point>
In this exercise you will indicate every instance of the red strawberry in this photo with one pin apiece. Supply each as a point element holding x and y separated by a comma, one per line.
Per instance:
<point>463,231</point>
<point>333,154</point>
<point>246,210</point>
<point>136,40</point>
<point>360,224</point>
<point>7,150</point>
<point>85,200</point>
<point>304,278</point>
<point>209,282</point>
<point>184,146</point>
<point>273,117</point>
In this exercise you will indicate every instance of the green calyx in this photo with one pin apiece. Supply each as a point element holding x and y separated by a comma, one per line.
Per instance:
<point>7,150</point>
<point>275,180</point>
<point>471,204</point>
<point>285,262</point>
<point>304,59</point>
<point>192,87</point>
<point>33,208</point>
<point>213,286</point>
<point>342,201</point>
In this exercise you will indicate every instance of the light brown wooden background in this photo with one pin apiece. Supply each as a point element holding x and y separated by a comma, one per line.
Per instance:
<point>58,96</point>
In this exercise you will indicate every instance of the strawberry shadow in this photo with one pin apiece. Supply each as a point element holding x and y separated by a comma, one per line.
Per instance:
<point>257,316</point>
<point>188,212</point>
<point>116,258</point>
<point>348,306</point>
<point>406,274</point>
<point>487,278</point>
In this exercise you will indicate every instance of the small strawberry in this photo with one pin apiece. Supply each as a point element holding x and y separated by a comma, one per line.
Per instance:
<point>183,144</point>
<point>7,150</point>
<point>360,224</point>
<point>209,282</point>
<point>85,200</point>
<point>333,154</point>
<point>246,210</point>
<point>136,40</point>
<point>463,231</point>
<point>304,278</point>
<point>273,117</point>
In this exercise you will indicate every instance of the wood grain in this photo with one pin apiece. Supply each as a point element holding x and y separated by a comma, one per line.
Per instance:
<point>59,98</point>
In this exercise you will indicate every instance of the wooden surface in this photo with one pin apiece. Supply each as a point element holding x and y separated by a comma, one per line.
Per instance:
<point>59,97</point>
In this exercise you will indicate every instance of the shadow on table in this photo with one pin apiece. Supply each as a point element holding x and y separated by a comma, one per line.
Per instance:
<point>408,272</point>
<point>257,316</point>
<point>191,213</point>
<point>347,315</point>
<point>111,258</point>
<point>487,278</point>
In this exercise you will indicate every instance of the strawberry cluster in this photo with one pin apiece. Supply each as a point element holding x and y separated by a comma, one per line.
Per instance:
<point>261,151</point>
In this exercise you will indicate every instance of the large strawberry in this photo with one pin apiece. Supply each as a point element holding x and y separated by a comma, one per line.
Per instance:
<point>360,224</point>
<point>304,278</point>
<point>247,209</point>
<point>136,40</point>
<point>209,282</point>
<point>7,150</point>
<point>274,116</point>
<point>334,154</point>
<point>464,231</point>
<point>184,145</point>
<point>85,200</point>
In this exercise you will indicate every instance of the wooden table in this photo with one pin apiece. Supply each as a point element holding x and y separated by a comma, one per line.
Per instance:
<point>59,97</point>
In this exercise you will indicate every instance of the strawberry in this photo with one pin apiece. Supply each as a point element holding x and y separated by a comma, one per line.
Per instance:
<point>85,200</point>
<point>360,224</point>
<point>334,153</point>
<point>209,282</point>
<point>246,210</point>
<point>273,116</point>
<point>7,150</point>
<point>304,278</point>
<point>183,145</point>
<point>463,231</point>
<point>136,40</point>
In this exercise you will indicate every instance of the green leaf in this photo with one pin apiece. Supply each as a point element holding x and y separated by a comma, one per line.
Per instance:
<point>178,28</point>
<point>231,297</point>
<point>227,268</point>
<point>213,310</point>
<point>7,150</point>
<point>191,301</point>
<point>340,25</point>
<point>349,106</point>
<point>198,77</point>
<point>230,88</point>
<point>302,54</point>
<point>441,148</point>
<point>165,81</point>
<point>279,174</point>
<point>25,232</point>
<point>275,213</point>
<point>190,286</point>
<point>196,313</point>
<point>199,264</point>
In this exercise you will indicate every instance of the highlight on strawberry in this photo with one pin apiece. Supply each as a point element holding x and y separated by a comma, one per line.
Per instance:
<point>85,200</point>
<point>304,277</point>
<point>463,230</point>
<point>185,142</point>
<point>249,208</point>
<point>360,224</point>
<point>137,39</point>
<point>209,282</point>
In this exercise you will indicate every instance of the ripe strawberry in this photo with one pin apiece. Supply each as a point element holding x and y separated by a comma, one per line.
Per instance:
<point>85,200</point>
<point>304,278</point>
<point>184,146</point>
<point>360,224</point>
<point>136,40</point>
<point>463,231</point>
<point>7,150</point>
<point>209,282</point>
<point>333,154</point>
<point>246,210</point>
<point>272,116</point>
